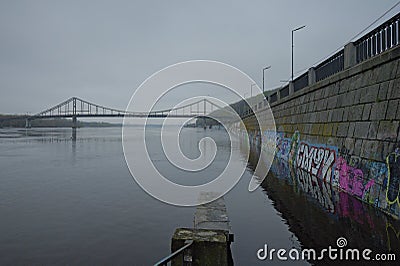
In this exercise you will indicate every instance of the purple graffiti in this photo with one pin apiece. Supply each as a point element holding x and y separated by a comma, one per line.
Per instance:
<point>351,179</point>
<point>349,206</point>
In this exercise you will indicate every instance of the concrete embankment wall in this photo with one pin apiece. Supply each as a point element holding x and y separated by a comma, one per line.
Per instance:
<point>345,130</point>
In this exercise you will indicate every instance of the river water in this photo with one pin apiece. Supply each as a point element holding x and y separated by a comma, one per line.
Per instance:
<point>75,202</point>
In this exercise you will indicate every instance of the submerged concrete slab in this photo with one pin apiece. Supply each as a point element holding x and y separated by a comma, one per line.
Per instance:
<point>211,235</point>
<point>211,215</point>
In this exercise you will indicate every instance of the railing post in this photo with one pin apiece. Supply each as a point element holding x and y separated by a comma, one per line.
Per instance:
<point>350,55</point>
<point>291,87</point>
<point>312,78</point>
<point>27,123</point>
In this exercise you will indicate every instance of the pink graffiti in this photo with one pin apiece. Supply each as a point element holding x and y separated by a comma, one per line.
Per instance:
<point>351,178</point>
<point>353,208</point>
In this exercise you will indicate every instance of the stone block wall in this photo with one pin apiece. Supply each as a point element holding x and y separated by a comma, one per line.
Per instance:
<point>345,130</point>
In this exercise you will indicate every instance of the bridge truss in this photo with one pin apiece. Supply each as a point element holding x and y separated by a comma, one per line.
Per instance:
<point>76,107</point>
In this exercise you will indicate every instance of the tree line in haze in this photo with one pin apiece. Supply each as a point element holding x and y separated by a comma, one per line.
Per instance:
<point>20,121</point>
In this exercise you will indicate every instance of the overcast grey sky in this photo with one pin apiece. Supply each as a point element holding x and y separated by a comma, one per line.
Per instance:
<point>102,50</point>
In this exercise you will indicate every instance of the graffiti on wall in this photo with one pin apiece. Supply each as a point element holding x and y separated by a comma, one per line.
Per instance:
<point>393,180</point>
<point>375,196</point>
<point>282,147</point>
<point>351,179</point>
<point>294,144</point>
<point>374,182</point>
<point>369,182</point>
<point>317,160</point>
<point>286,148</point>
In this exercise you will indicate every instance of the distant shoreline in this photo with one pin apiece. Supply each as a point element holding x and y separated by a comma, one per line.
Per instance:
<point>18,121</point>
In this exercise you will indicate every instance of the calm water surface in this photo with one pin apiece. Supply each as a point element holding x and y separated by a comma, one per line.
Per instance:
<point>65,202</point>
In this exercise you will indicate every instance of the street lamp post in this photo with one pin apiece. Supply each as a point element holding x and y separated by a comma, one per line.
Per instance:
<point>299,28</point>
<point>265,68</point>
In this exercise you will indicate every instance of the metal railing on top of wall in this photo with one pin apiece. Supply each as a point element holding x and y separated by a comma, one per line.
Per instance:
<point>330,66</point>
<point>378,40</point>
<point>301,82</point>
<point>284,91</point>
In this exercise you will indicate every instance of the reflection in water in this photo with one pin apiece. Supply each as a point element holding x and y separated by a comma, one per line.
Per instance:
<point>35,134</point>
<point>319,214</point>
<point>66,202</point>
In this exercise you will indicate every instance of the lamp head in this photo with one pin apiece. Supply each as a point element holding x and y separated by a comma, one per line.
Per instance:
<point>299,28</point>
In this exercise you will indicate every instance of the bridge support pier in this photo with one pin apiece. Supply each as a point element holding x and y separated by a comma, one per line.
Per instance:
<point>28,123</point>
<point>74,126</point>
